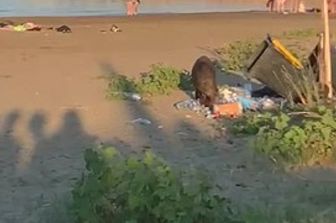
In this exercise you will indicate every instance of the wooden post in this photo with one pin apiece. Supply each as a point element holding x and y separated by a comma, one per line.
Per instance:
<point>320,61</point>
<point>327,54</point>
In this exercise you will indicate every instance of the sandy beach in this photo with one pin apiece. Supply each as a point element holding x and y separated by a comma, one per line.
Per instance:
<point>53,105</point>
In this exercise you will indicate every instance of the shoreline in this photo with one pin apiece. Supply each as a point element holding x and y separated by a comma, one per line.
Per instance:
<point>140,14</point>
<point>171,16</point>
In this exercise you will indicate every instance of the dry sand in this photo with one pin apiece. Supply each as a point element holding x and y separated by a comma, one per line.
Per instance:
<point>53,105</point>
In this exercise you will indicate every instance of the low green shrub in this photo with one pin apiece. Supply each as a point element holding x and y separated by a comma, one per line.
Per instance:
<point>160,80</point>
<point>300,33</point>
<point>136,190</point>
<point>305,141</point>
<point>234,55</point>
<point>118,85</point>
<point>250,124</point>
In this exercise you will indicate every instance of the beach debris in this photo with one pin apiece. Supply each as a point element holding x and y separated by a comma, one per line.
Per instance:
<point>115,29</point>
<point>64,29</point>
<point>189,104</point>
<point>141,121</point>
<point>232,102</point>
<point>28,26</point>
<point>182,133</point>
<point>193,105</point>
<point>232,110</point>
<point>267,104</point>
<point>268,63</point>
<point>248,103</point>
<point>265,92</point>
<point>3,24</point>
<point>132,96</point>
<point>248,90</point>
<point>313,10</point>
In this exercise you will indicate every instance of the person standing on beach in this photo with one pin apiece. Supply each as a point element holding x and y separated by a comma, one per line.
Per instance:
<point>294,6</point>
<point>332,6</point>
<point>280,5</point>
<point>276,5</point>
<point>270,5</point>
<point>297,6</point>
<point>132,7</point>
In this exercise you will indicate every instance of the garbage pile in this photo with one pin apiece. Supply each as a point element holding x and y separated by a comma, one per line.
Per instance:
<point>30,26</point>
<point>233,102</point>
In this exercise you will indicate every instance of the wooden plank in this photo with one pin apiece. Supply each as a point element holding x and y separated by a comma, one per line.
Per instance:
<point>327,53</point>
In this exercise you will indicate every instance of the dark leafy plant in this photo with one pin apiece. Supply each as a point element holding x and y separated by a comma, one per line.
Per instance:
<point>160,80</point>
<point>118,85</point>
<point>299,142</point>
<point>250,124</point>
<point>300,33</point>
<point>234,55</point>
<point>132,189</point>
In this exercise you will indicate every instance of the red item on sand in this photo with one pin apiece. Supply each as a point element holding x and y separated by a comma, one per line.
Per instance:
<point>232,110</point>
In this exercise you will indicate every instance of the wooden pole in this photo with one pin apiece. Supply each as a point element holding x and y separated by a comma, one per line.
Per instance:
<point>327,54</point>
<point>320,60</point>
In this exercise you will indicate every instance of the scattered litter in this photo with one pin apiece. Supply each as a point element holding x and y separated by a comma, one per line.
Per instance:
<point>160,127</point>
<point>193,105</point>
<point>182,133</point>
<point>248,103</point>
<point>233,101</point>
<point>115,29</point>
<point>28,26</point>
<point>267,104</point>
<point>265,92</point>
<point>241,185</point>
<point>132,96</point>
<point>64,29</point>
<point>141,121</point>
<point>248,90</point>
<point>232,110</point>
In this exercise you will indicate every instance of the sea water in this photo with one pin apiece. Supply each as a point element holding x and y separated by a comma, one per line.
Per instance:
<point>13,8</point>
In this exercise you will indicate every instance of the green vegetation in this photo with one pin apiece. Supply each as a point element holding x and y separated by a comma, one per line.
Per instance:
<point>135,189</point>
<point>234,55</point>
<point>160,80</point>
<point>250,124</point>
<point>118,85</point>
<point>299,141</point>
<point>294,139</point>
<point>300,33</point>
<point>303,87</point>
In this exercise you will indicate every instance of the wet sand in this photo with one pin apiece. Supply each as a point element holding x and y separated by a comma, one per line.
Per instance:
<point>52,102</point>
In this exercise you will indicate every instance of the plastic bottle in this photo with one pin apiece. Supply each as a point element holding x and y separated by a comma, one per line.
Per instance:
<point>248,90</point>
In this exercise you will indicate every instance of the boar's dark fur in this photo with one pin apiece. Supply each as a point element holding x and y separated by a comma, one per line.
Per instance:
<point>204,80</point>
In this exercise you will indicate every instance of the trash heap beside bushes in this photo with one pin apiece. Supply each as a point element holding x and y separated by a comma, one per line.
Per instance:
<point>284,78</point>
